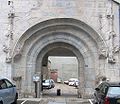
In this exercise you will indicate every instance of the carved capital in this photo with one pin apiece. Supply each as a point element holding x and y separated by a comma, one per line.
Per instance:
<point>103,54</point>
<point>11,15</point>
<point>116,49</point>
<point>111,60</point>
<point>17,54</point>
<point>8,59</point>
<point>5,49</point>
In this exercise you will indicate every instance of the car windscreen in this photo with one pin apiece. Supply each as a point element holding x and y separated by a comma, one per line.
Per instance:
<point>113,91</point>
<point>47,81</point>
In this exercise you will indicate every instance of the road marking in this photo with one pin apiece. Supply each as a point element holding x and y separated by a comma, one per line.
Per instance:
<point>90,101</point>
<point>23,101</point>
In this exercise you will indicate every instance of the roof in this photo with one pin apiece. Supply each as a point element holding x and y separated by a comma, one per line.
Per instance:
<point>117,1</point>
<point>112,83</point>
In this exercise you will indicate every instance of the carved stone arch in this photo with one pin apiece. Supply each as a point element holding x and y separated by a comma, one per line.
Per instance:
<point>42,26</point>
<point>76,53</point>
<point>77,34</point>
<point>82,48</point>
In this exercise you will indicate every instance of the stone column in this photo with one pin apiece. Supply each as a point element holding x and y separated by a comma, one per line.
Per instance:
<point>81,88</point>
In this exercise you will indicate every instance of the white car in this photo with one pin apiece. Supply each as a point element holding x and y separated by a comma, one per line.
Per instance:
<point>66,82</point>
<point>8,92</point>
<point>72,81</point>
<point>48,84</point>
<point>76,84</point>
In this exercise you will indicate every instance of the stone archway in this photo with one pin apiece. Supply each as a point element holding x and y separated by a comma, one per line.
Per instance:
<point>53,46</point>
<point>77,36</point>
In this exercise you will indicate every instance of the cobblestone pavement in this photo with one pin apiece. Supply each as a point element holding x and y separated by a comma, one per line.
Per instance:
<point>68,96</point>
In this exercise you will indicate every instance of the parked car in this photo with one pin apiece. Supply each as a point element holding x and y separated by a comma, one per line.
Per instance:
<point>107,93</point>
<point>72,81</point>
<point>8,92</point>
<point>48,84</point>
<point>66,82</point>
<point>76,83</point>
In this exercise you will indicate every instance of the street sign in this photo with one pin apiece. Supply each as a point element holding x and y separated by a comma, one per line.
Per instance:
<point>36,78</point>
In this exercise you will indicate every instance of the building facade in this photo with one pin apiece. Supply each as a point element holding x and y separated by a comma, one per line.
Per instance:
<point>33,30</point>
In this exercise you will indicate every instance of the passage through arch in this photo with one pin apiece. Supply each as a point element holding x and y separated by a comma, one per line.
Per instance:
<point>67,33</point>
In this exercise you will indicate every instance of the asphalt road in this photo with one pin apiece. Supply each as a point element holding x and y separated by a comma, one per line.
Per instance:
<point>65,90</point>
<point>68,96</point>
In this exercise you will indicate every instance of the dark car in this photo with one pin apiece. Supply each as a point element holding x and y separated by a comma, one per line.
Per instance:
<point>107,93</point>
<point>8,92</point>
<point>48,84</point>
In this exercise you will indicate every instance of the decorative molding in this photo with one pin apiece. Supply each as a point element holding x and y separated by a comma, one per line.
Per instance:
<point>111,60</point>
<point>5,49</point>
<point>17,78</point>
<point>116,49</point>
<point>103,54</point>
<point>110,16</point>
<point>8,59</point>
<point>17,54</point>
<point>11,15</point>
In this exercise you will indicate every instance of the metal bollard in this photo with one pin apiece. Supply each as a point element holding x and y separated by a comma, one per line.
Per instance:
<point>58,92</point>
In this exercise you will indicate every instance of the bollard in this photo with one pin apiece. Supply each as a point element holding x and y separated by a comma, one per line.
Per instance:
<point>58,92</point>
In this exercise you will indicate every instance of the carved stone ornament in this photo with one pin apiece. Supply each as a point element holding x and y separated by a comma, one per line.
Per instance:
<point>111,60</point>
<point>17,54</point>
<point>116,49</point>
<point>8,59</point>
<point>102,54</point>
<point>17,78</point>
<point>5,49</point>
<point>11,15</point>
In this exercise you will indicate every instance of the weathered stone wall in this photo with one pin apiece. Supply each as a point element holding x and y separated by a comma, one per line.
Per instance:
<point>5,69</point>
<point>101,15</point>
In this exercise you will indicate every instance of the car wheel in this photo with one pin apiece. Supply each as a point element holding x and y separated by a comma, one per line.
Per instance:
<point>1,102</point>
<point>94,102</point>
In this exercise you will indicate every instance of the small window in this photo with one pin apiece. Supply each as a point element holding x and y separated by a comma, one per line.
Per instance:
<point>3,84</point>
<point>114,91</point>
<point>8,83</point>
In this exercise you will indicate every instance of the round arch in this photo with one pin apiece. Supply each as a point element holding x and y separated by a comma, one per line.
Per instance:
<point>77,54</point>
<point>76,36</point>
<point>56,24</point>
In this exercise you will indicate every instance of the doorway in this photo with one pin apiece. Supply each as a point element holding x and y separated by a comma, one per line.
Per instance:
<point>73,36</point>
<point>62,69</point>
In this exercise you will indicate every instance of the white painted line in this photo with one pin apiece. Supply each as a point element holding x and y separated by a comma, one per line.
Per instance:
<point>23,101</point>
<point>90,101</point>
